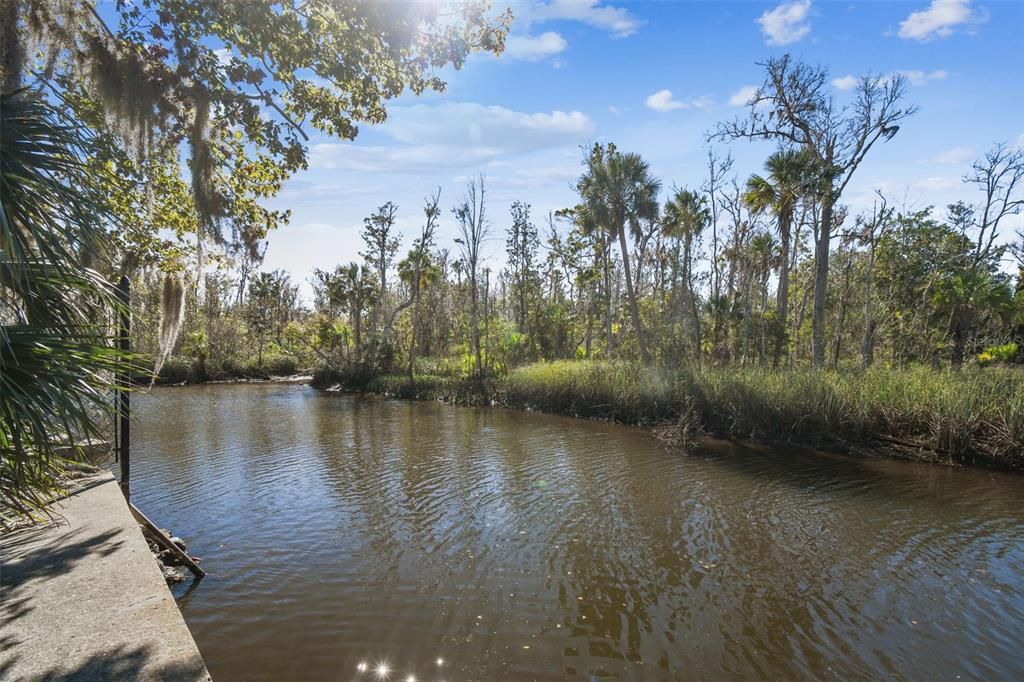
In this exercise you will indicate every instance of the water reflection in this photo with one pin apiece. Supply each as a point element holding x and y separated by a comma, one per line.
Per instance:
<point>394,539</point>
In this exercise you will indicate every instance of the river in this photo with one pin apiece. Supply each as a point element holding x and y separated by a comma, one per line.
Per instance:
<point>354,537</point>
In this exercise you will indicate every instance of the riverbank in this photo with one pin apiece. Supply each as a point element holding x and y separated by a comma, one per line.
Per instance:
<point>83,597</point>
<point>973,417</point>
<point>179,370</point>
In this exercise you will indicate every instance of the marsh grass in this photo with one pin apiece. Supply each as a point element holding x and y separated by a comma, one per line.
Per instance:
<point>970,416</point>
<point>974,415</point>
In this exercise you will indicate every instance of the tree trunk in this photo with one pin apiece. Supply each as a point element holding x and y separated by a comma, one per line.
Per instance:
<point>12,47</point>
<point>357,329</point>
<point>746,320</point>
<point>764,316</point>
<point>841,315</point>
<point>867,344</point>
<point>799,321</point>
<point>782,297</point>
<point>522,304</point>
<point>412,342</point>
<point>694,314</point>
<point>608,295</point>
<point>487,315</point>
<point>415,322</point>
<point>474,322</point>
<point>959,341</point>
<point>590,317</point>
<point>821,255</point>
<point>716,280</point>
<point>634,310</point>
<point>673,305</point>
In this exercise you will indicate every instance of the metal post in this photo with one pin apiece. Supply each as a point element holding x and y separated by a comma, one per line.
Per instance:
<point>124,381</point>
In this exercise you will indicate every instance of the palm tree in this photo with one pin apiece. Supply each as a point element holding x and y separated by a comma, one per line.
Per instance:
<point>686,216</point>
<point>619,191</point>
<point>418,272</point>
<point>790,175</point>
<point>763,252</point>
<point>354,286</point>
<point>56,359</point>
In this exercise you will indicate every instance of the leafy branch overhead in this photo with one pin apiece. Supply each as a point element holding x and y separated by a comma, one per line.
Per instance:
<point>240,84</point>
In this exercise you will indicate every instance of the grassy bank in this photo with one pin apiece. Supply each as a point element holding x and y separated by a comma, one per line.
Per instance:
<point>972,416</point>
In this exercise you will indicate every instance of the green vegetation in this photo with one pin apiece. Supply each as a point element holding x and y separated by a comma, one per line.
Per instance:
<point>971,416</point>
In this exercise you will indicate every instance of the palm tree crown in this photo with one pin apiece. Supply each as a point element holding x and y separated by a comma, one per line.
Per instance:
<point>790,175</point>
<point>686,215</point>
<point>618,191</point>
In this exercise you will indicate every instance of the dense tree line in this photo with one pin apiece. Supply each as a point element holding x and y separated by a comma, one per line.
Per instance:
<point>904,287</point>
<point>766,268</point>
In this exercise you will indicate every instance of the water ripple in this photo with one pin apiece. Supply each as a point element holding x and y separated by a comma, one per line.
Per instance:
<point>341,531</point>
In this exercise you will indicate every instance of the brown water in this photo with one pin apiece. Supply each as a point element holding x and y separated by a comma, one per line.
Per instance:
<point>473,544</point>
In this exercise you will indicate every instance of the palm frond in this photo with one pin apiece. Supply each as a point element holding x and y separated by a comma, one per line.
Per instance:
<point>57,357</point>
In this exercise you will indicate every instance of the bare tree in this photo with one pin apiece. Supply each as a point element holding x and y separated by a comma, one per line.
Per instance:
<point>381,247</point>
<point>718,168</point>
<point>871,232</point>
<point>417,271</point>
<point>1000,177</point>
<point>473,230</point>
<point>794,105</point>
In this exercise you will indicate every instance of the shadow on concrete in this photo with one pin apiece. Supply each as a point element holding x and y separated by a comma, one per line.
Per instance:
<point>22,562</point>
<point>22,565</point>
<point>123,663</point>
<point>6,642</point>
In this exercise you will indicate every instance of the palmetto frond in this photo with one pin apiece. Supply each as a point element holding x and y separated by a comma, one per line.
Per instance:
<point>760,194</point>
<point>56,359</point>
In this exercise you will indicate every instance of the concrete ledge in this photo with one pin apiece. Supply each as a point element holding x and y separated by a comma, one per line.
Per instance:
<point>83,598</point>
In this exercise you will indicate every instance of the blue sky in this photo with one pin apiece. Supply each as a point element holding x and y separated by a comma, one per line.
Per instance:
<point>579,71</point>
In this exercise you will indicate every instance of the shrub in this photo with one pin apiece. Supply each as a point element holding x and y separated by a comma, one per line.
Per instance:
<point>280,365</point>
<point>177,371</point>
<point>1005,353</point>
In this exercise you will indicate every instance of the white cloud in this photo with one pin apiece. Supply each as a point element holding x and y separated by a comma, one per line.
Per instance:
<point>922,78</point>
<point>663,101</point>
<point>535,177</point>
<point>454,135</point>
<point>742,97</point>
<point>616,20</point>
<point>532,48</point>
<point>954,156</point>
<point>939,20</point>
<point>471,123</point>
<point>787,23</point>
<point>937,184</point>
<point>914,77</point>
<point>845,83</point>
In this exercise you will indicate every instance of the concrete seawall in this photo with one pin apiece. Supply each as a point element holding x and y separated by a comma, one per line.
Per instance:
<point>83,598</point>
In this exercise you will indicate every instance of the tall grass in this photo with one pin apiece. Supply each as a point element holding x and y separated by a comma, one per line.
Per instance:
<point>971,416</point>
